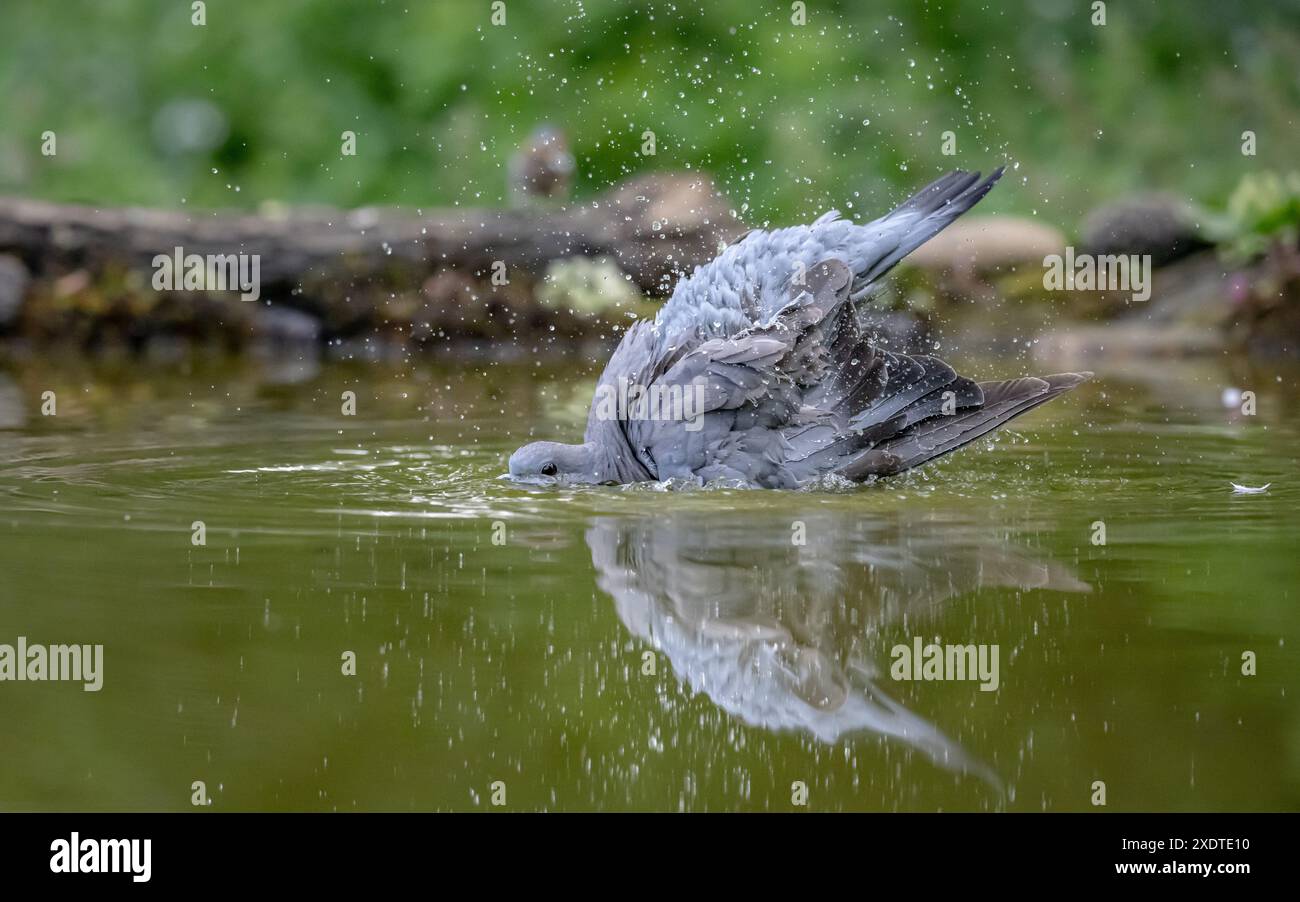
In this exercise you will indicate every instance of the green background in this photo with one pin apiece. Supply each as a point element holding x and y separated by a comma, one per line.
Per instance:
<point>846,111</point>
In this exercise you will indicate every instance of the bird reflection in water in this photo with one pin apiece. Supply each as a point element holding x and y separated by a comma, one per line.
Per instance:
<point>786,637</point>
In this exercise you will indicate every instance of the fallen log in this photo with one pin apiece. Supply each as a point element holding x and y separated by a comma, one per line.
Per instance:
<point>363,269</point>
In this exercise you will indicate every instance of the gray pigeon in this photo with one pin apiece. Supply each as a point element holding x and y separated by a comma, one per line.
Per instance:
<point>755,372</point>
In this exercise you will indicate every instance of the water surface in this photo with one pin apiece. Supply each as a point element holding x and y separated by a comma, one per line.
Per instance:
<point>636,648</point>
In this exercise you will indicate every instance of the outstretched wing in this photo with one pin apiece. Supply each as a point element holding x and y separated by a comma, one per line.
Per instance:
<point>746,388</point>
<point>935,436</point>
<point>806,394</point>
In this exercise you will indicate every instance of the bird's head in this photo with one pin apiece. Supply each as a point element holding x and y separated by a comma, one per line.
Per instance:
<point>552,462</point>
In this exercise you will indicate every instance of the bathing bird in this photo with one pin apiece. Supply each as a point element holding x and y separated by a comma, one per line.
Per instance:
<point>757,372</point>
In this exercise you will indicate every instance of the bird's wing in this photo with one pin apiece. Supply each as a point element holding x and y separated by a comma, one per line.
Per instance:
<point>928,438</point>
<point>791,349</point>
<point>805,390</point>
<point>806,393</point>
<point>869,397</point>
<point>744,388</point>
<point>636,357</point>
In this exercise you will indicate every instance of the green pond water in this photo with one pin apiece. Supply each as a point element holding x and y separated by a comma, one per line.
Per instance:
<point>636,648</point>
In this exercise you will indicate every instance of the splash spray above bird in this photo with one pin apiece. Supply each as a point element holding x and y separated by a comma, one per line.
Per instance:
<point>787,388</point>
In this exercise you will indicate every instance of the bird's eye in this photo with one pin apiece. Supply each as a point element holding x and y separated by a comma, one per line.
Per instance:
<point>549,469</point>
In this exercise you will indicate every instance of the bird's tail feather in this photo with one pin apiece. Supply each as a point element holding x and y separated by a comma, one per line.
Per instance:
<point>921,217</point>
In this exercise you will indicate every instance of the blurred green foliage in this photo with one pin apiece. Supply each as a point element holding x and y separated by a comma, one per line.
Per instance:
<point>1263,211</point>
<point>846,111</point>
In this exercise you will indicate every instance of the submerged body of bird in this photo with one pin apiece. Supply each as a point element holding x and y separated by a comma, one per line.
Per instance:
<point>787,388</point>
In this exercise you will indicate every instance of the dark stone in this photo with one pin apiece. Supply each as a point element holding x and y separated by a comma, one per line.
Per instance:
<point>1154,224</point>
